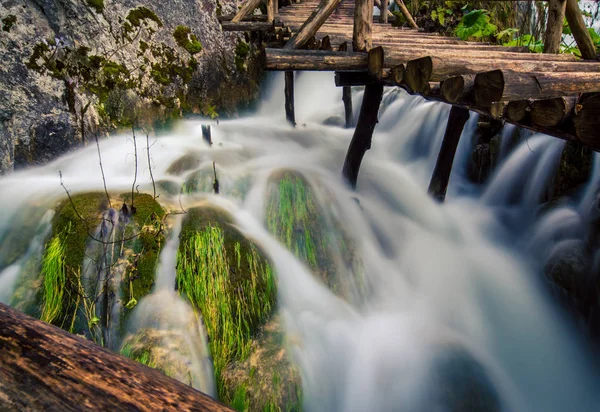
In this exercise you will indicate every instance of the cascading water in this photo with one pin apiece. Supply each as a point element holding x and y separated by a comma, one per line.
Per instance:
<point>448,310</point>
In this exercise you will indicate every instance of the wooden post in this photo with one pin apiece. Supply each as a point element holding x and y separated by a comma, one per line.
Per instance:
<point>406,13</point>
<point>313,24</point>
<point>289,98</point>
<point>247,8</point>
<point>347,99</point>
<point>43,367</point>
<point>554,26</point>
<point>206,135</point>
<point>362,38</point>
<point>383,15</point>
<point>580,32</point>
<point>361,140</point>
<point>443,166</point>
<point>270,10</point>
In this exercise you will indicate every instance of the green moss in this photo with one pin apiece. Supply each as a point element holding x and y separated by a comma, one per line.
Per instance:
<point>224,276</point>
<point>168,187</point>
<point>184,163</point>
<point>186,39</point>
<point>140,14</point>
<point>97,5</point>
<point>8,22</point>
<point>200,181</point>
<point>242,50</point>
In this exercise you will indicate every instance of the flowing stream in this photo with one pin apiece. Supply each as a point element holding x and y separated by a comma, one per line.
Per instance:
<point>462,278</point>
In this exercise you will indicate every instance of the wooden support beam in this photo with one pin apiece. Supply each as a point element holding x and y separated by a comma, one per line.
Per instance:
<point>248,26</point>
<point>290,113</point>
<point>347,99</point>
<point>587,120</point>
<point>247,8</point>
<point>499,85</point>
<point>43,367</point>
<point>312,24</point>
<point>314,60</point>
<point>579,30</point>
<point>363,134</point>
<point>443,166</point>
<point>271,10</point>
<point>458,88</point>
<point>389,15</point>
<point>552,112</point>
<point>406,13</point>
<point>229,17</point>
<point>383,14</point>
<point>375,63</point>
<point>554,26</point>
<point>206,134</point>
<point>362,39</point>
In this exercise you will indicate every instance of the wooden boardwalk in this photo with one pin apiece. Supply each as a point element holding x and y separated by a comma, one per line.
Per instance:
<point>557,94</point>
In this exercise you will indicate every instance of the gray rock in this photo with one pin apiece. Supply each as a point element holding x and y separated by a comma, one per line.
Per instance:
<point>568,266</point>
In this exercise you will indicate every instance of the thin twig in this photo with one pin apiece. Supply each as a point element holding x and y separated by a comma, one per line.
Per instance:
<point>102,170</point>
<point>136,165</point>
<point>150,167</point>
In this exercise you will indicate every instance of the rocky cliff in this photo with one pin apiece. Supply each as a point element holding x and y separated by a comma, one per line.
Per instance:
<point>74,69</point>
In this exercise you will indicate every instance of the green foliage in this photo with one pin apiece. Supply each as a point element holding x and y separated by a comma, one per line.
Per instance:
<point>8,22</point>
<point>224,276</point>
<point>527,40</point>
<point>186,39</point>
<point>507,34</point>
<point>240,401</point>
<point>55,278</point>
<point>440,14</point>
<point>475,25</point>
<point>97,5</point>
<point>142,15</point>
<point>242,50</point>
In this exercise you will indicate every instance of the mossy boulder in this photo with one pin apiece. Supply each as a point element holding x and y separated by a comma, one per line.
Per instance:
<point>168,188</point>
<point>185,163</point>
<point>200,181</point>
<point>228,280</point>
<point>266,380</point>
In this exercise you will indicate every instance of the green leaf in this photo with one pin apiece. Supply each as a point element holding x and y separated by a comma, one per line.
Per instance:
<point>131,304</point>
<point>508,33</point>
<point>94,321</point>
<point>595,36</point>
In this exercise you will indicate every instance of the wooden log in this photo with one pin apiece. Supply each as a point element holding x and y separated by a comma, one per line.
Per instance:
<point>326,44</point>
<point>43,367</point>
<point>314,60</point>
<point>206,134</point>
<point>270,10</point>
<point>290,113</point>
<point>347,99</point>
<point>554,26</point>
<point>248,26</point>
<point>383,15</point>
<point>418,74</point>
<point>406,13</point>
<point>363,134</point>
<point>312,24</point>
<point>438,184</point>
<point>397,74</point>
<point>458,88</point>
<point>579,30</point>
<point>343,47</point>
<point>375,62</point>
<point>229,17</point>
<point>247,8</point>
<point>587,120</point>
<point>552,112</point>
<point>362,40</point>
<point>499,85</point>
<point>518,110</point>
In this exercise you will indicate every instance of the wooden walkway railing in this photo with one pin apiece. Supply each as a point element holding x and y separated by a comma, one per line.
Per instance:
<point>557,94</point>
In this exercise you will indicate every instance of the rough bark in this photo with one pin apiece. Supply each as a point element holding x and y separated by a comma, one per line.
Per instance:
<point>43,367</point>
<point>361,140</point>
<point>383,15</point>
<point>443,166</point>
<point>312,24</point>
<point>554,26</point>
<point>580,32</point>
<point>362,39</point>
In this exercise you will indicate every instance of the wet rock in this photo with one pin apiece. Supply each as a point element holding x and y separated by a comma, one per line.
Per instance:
<point>168,187</point>
<point>336,121</point>
<point>185,163</point>
<point>568,266</point>
<point>574,170</point>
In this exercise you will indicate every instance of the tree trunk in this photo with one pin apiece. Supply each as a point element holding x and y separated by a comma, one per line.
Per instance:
<point>361,140</point>
<point>443,166</point>
<point>290,114</point>
<point>347,99</point>
<point>270,10</point>
<point>554,26</point>
<point>43,367</point>
<point>580,32</point>
<point>383,14</point>
<point>362,40</point>
<point>312,24</point>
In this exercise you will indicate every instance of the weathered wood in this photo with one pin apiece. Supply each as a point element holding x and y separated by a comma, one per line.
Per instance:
<point>383,15</point>
<point>551,112</point>
<point>406,13</point>
<point>229,17</point>
<point>43,367</point>
<point>326,44</point>
<point>375,62</point>
<point>418,73</point>
<point>499,85</point>
<point>458,88</point>
<point>312,24</point>
<point>290,113</point>
<point>443,166</point>
<point>518,110</point>
<point>554,26</point>
<point>579,30</point>
<point>247,26</point>
<point>361,140</point>
<point>587,120</point>
<point>270,10</point>
<point>397,74</point>
<point>347,99</point>
<point>362,39</point>
<point>314,60</point>
<point>247,8</point>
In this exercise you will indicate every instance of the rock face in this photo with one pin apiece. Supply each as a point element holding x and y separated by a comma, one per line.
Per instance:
<point>69,65</point>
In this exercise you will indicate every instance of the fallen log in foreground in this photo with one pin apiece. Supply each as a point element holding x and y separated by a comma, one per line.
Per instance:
<point>43,367</point>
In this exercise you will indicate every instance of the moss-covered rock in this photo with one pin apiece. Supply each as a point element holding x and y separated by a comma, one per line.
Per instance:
<point>228,280</point>
<point>185,163</point>
<point>266,380</point>
<point>168,188</point>
<point>200,181</point>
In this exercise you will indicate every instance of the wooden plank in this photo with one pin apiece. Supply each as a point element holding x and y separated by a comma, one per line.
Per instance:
<point>554,26</point>
<point>312,24</point>
<point>362,39</point>
<point>499,85</point>
<point>43,367</point>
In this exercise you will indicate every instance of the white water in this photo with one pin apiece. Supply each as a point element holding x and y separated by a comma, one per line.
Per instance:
<point>440,277</point>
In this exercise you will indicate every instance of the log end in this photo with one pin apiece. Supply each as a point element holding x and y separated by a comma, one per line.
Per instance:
<point>418,73</point>
<point>489,88</point>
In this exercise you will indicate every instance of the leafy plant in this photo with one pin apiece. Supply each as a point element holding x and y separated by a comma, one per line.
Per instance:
<point>54,273</point>
<point>475,24</point>
<point>527,40</point>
